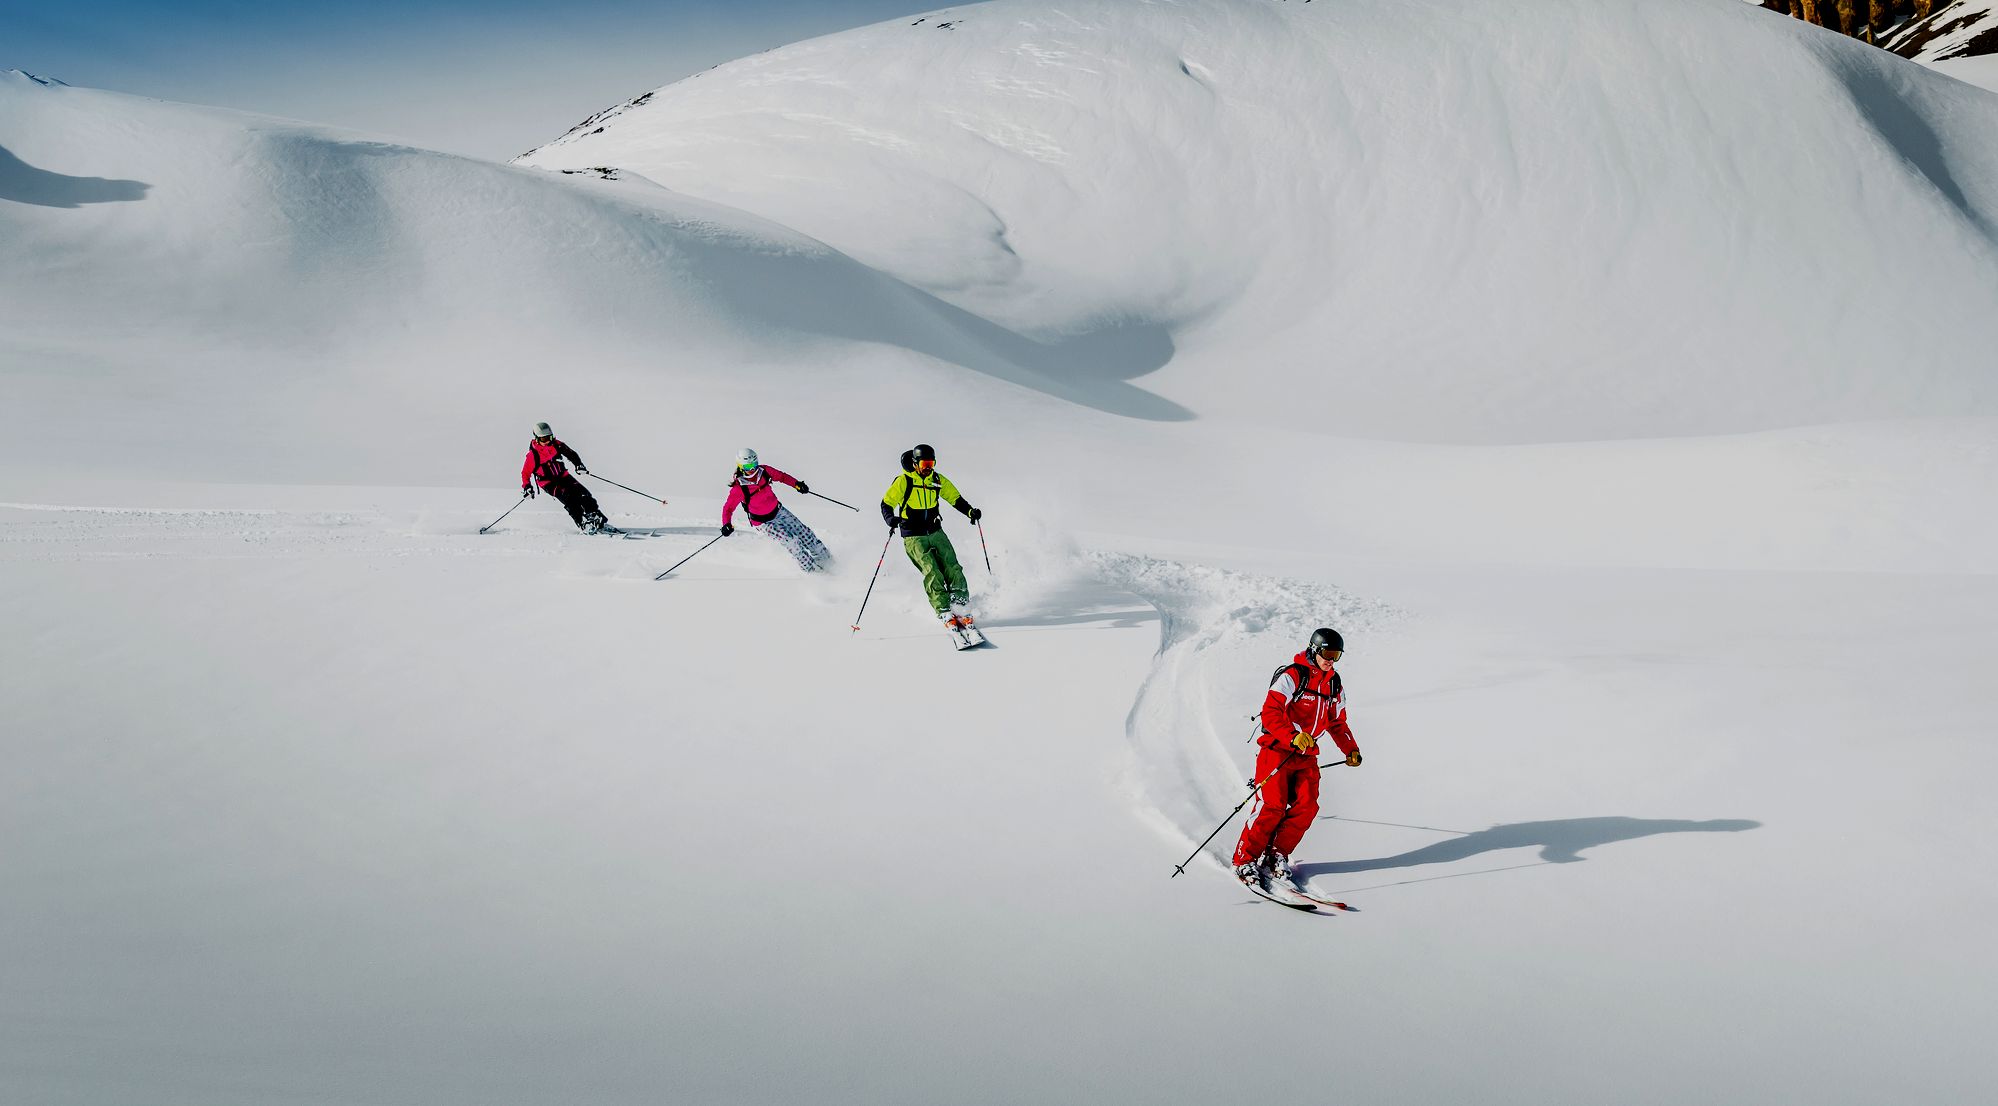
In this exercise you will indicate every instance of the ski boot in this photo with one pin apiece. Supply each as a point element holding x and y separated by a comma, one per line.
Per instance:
<point>1280,873</point>
<point>1250,874</point>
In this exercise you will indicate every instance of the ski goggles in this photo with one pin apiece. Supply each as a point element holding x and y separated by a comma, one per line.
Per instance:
<point>747,466</point>
<point>925,466</point>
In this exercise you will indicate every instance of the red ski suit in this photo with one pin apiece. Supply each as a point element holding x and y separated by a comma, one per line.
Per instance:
<point>1288,799</point>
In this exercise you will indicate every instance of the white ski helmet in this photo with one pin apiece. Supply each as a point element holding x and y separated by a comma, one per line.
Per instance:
<point>746,460</point>
<point>541,430</point>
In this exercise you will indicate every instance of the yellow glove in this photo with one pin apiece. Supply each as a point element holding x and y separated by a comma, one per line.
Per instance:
<point>1353,759</point>
<point>1303,742</point>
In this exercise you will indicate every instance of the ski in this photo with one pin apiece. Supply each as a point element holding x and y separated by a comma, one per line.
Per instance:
<point>1335,905</point>
<point>966,636</point>
<point>1288,888</point>
<point>1299,903</point>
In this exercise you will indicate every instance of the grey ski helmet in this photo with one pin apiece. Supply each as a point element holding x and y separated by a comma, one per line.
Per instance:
<point>541,430</point>
<point>746,461</point>
<point>1325,640</point>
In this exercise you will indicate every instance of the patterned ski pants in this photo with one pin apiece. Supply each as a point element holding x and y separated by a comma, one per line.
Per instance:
<point>804,546</point>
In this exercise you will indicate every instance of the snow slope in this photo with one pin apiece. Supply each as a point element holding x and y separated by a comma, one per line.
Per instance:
<point>1674,743</point>
<point>182,249</point>
<point>1396,173</point>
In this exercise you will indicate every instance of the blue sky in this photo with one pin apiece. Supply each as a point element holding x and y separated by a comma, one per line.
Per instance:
<point>489,78</point>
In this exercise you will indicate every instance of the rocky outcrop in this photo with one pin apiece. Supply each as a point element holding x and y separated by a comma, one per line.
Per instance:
<point>1926,30</point>
<point>1862,19</point>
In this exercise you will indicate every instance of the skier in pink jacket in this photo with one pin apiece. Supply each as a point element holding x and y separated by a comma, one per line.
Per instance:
<point>751,489</point>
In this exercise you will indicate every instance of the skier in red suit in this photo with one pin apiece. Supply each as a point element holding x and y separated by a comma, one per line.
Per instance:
<point>544,467</point>
<point>1306,702</point>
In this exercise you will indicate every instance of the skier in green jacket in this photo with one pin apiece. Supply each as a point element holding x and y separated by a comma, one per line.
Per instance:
<point>913,505</point>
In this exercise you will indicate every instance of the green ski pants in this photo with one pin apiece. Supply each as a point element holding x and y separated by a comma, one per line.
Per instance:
<point>943,577</point>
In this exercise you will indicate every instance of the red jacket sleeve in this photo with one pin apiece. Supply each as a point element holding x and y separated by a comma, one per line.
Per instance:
<point>1342,736</point>
<point>527,468</point>
<point>780,476</point>
<point>734,501</point>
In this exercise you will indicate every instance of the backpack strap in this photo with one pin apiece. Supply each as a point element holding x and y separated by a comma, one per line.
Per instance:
<point>1298,674</point>
<point>1298,677</point>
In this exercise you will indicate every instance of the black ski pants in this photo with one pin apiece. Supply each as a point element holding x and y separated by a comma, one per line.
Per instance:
<point>574,498</point>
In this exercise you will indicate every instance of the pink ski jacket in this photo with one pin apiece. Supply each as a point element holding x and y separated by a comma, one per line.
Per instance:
<point>752,492</point>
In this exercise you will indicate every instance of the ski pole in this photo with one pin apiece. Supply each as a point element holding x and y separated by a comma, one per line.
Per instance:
<point>690,556</point>
<point>502,518</point>
<point>830,499</point>
<point>870,582</point>
<point>982,547</point>
<point>1253,788</point>
<point>626,487</point>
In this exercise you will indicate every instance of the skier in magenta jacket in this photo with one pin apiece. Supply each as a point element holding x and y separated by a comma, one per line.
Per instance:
<point>544,466</point>
<point>751,489</point>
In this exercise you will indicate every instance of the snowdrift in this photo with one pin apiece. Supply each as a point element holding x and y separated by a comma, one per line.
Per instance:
<point>1433,219</point>
<point>251,282</point>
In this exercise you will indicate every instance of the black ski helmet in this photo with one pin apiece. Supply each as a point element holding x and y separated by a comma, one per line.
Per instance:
<point>920,453</point>
<point>1325,639</point>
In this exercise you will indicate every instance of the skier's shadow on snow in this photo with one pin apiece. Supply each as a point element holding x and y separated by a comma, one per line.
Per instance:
<point>25,184</point>
<point>1560,841</point>
<point>665,531</point>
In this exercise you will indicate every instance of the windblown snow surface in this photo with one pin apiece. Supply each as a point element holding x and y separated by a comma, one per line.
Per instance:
<point>1618,377</point>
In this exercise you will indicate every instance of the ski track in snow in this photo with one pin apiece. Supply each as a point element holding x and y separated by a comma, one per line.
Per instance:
<point>1221,633</point>
<point>58,532</point>
<point>1220,630</point>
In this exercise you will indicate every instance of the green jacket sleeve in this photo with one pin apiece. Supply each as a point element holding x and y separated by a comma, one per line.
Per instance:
<point>949,493</point>
<point>891,503</point>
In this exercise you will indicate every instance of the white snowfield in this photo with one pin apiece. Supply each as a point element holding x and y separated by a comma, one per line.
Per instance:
<point>1627,401</point>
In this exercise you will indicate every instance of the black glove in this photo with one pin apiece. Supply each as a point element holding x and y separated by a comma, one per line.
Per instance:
<point>581,469</point>
<point>527,491</point>
<point>894,524</point>
<point>727,529</point>
<point>973,513</point>
<point>802,489</point>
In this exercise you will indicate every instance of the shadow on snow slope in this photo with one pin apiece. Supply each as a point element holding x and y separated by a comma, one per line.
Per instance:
<point>1561,841</point>
<point>24,184</point>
